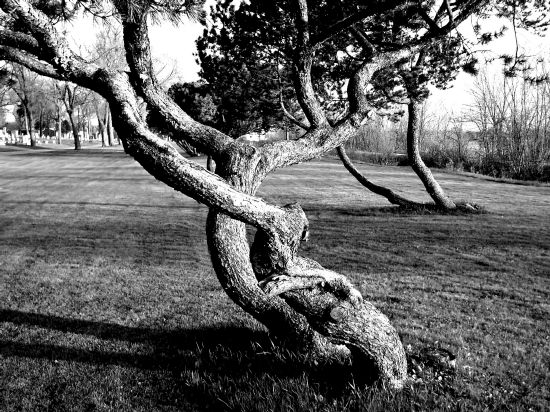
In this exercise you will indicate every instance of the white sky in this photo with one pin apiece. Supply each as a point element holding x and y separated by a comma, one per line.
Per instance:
<point>176,46</point>
<point>455,98</point>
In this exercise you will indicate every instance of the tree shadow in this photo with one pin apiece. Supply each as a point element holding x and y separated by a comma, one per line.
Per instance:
<point>223,351</point>
<point>420,209</point>
<point>48,152</point>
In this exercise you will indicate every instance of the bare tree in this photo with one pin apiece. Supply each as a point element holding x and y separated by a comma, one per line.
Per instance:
<point>24,83</point>
<point>73,97</point>
<point>316,310</point>
<point>511,115</point>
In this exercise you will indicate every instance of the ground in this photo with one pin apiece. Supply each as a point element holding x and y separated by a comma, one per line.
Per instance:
<point>108,300</point>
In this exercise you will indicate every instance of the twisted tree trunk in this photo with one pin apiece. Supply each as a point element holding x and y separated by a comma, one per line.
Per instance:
<point>424,173</point>
<point>324,316</point>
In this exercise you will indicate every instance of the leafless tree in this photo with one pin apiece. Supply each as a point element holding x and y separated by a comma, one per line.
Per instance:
<point>25,84</point>
<point>511,115</point>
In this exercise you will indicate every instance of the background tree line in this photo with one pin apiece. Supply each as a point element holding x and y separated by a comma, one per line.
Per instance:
<point>49,109</point>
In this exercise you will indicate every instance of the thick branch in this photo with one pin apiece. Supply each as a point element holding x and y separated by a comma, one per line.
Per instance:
<point>54,48</point>
<point>319,140</point>
<point>303,61</point>
<point>29,61</point>
<point>165,163</point>
<point>289,115</point>
<point>20,41</point>
<point>136,42</point>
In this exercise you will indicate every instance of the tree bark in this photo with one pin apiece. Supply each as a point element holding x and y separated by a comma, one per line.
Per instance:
<point>59,120</point>
<point>389,194</point>
<point>28,123</point>
<point>101,127</point>
<point>424,173</point>
<point>326,316</point>
<point>109,126</point>
<point>334,308</point>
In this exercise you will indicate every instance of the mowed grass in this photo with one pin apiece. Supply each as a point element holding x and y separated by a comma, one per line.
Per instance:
<point>108,300</point>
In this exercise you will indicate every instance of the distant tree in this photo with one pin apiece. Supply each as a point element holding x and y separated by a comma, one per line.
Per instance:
<point>73,97</point>
<point>513,122</point>
<point>45,107</point>
<point>26,86</point>
<point>197,100</point>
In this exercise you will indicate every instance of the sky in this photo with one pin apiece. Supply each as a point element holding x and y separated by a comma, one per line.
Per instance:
<point>455,99</point>
<point>175,45</point>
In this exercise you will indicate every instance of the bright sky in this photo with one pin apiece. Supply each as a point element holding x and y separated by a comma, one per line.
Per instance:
<point>455,98</point>
<point>175,45</point>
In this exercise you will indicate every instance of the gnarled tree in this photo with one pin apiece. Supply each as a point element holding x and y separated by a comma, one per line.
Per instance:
<point>245,45</point>
<point>317,310</point>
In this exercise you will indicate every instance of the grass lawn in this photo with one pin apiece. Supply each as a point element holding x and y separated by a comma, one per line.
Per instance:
<point>108,300</point>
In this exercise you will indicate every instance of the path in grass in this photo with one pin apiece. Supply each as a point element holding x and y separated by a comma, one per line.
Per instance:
<point>108,300</point>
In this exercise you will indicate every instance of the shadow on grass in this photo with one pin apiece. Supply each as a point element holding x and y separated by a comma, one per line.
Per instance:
<point>423,209</point>
<point>221,351</point>
<point>48,152</point>
<point>181,206</point>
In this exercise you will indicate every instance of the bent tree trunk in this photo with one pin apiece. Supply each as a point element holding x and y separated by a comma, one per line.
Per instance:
<point>29,123</point>
<point>389,194</point>
<point>74,130</point>
<point>317,311</point>
<point>423,172</point>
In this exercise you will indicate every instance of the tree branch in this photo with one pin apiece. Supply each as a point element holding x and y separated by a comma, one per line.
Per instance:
<point>20,41</point>
<point>156,155</point>
<point>303,61</point>
<point>29,61</point>
<point>389,194</point>
<point>290,116</point>
<point>136,42</point>
<point>372,9</point>
<point>449,11</point>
